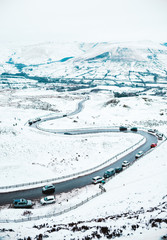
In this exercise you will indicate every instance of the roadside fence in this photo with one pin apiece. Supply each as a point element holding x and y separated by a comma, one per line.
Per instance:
<point>78,173</point>
<point>54,214</point>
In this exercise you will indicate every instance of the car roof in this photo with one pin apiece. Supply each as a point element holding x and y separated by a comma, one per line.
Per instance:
<point>96,177</point>
<point>50,197</point>
<point>48,186</point>
<point>19,200</point>
<point>110,169</point>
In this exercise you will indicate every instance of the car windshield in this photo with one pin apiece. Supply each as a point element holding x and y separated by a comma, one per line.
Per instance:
<point>46,199</point>
<point>95,178</point>
<point>23,201</point>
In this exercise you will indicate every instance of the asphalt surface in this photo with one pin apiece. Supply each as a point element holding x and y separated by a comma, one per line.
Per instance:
<point>68,185</point>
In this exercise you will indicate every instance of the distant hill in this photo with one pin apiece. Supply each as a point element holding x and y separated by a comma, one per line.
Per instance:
<point>129,63</point>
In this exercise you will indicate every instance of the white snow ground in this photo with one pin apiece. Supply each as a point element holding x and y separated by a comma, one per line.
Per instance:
<point>24,146</point>
<point>134,204</point>
<point>132,198</point>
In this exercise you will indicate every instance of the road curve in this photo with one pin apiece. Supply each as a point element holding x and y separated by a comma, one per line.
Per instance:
<point>78,182</point>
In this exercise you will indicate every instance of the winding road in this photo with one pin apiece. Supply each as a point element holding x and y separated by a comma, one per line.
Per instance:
<point>81,181</point>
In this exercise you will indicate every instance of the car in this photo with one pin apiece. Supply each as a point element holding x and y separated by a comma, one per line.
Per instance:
<point>110,172</point>
<point>97,179</point>
<point>48,189</point>
<point>22,203</point>
<point>118,169</point>
<point>134,129</point>
<point>159,135</point>
<point>125,163</point>
<point>31,121</point>
<point>139,154</point>
<point>153,145</point>
<point>122,128</point>
<point>152,130</point>
<point>47,200</point>
<point>67,133</point>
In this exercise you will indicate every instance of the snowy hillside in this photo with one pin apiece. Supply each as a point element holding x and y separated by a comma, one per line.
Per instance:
<point>138,64</point>
<point>123,84</point>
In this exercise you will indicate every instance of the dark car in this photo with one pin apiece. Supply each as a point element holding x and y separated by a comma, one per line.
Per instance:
<point>122,128</point>
<point>31,121</point>
<point>22,203</point>
<point>48,189</point>
<point>67,133</point>
<point>110,172</point>
<point>152,130</point>
<point>118,169</point>
<point>134,129</point>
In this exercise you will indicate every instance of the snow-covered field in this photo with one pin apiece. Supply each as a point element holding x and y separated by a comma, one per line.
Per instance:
<point>61,155</point>
<point>135,202</point>
<point>132,198</point>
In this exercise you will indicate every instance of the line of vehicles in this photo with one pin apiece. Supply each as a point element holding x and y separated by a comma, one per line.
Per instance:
<point>158,134</point>
<point>49,189</point>
<point>109,173</point>
<point>31,121</point>
<point>24,203</point>
<point>153,131</point>
<point>135,129</point>
<point>38,119</point>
